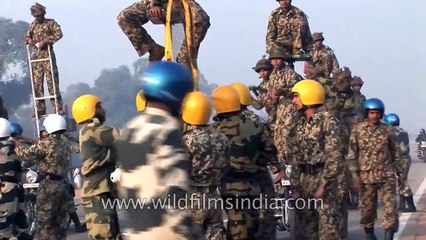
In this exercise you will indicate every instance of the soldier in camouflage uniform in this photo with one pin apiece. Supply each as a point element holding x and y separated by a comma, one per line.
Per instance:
<point>322,56</point>
<point>374,158</point>
<point>132,19</point>
<point>98,155</point>
<point>406,202</point>
<point>152,146</point>
<point>266,217</point>
<point>13,222</point>
<point>282,80</point>
<point>359,98</point>
<point>318,161</point>
<point>288,28</point>
<point>208,152</point>
<point>50,154</point>
<point>41,34</point>
<point>251,152</point>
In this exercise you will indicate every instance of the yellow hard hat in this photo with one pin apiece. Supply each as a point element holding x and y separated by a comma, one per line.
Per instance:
<point>84,107</point>
<point>310,91</point>
<point>244,93</point>
<point>196,108</point>
<point>140,101</point>
<point>225,99</point>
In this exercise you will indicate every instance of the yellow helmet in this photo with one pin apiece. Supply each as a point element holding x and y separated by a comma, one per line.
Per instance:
<point>140,101</point>
<point>310,91</point>
<point>84,107</point>
<point>196,108</point>
<point>244,93</point>
<point>225,99</point>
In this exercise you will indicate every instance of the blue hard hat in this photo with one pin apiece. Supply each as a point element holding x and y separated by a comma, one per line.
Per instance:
<point>16,129</point>
<point>168,82</point>
<point>373,104</point>
<point>392,119</point>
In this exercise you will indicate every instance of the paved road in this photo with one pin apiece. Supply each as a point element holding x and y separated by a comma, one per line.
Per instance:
<point>408,222</point>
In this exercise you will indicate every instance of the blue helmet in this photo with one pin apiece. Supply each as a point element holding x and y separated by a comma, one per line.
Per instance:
<point>373,104</point>
<point>16,129</point>
<point>168,82</point>
<point>392,119</point>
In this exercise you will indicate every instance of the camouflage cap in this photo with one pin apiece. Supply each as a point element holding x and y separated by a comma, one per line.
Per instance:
<point>263,64</point>
<point>318,36</point>
<point>38,9</point>
<point>357,80</point>
<point>277,53</point>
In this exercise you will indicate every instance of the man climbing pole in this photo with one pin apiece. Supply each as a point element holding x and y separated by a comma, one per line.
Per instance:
<point>322,56</point>
<point>288,28</point>
<point>43,33</point>
<point>132,19</point>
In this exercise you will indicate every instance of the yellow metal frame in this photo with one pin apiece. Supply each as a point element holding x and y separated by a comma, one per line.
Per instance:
<point>168,42</point>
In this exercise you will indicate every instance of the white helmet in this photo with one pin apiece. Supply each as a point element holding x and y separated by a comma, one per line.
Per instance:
<point>54,122</point>
<point>4,128</point>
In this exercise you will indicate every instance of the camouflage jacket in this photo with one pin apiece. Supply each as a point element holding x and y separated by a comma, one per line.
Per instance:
<point>99,157</point>
<point>373,153</point>
<point>208,152</point>
<point>154,165</point>
<point>283,80</point>
<point>261,100</point>
<point>50,154</point>
<point>10,165</point>
<point>359,100</point>
<point>282,25</point>
<point>317,142</point>
<point>403,143</point>
<point>251,147</point>
<point>324,60</point>
<point>48,30</point>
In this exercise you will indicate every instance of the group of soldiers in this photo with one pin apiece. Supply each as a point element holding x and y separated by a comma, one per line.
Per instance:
<point>334,138</point>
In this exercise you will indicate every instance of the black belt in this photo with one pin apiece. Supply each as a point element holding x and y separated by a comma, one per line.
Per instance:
<point>311,169</point>
<point>203,189</point>
<point>50,176</point>
<point>10,179</point>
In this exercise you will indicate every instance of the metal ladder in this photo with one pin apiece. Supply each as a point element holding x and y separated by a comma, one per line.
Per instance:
<point>34,98</point>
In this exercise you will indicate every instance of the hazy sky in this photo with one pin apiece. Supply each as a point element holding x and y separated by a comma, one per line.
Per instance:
<point>381,41</point>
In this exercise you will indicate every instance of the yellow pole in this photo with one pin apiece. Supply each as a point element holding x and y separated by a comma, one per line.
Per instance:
<point>168,42</point>
<point>189,42</point>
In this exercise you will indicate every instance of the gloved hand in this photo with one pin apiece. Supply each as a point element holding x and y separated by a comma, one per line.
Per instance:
<point>115,176</point>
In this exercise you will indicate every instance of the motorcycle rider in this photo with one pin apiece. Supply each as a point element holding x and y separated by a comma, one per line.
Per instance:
<point>420,138</point>
<point>13,222</point>
<point>405,193</point>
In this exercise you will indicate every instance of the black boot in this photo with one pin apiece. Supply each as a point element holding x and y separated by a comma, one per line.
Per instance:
<point>410,205</point>
<point>401,203</point>
<point>78,227</point>
<point>389,234</point>
<point>369,234</point>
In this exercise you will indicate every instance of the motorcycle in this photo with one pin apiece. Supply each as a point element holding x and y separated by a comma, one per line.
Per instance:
<point>421,152</point>
<point>286,216</point>
<point>31,182</point>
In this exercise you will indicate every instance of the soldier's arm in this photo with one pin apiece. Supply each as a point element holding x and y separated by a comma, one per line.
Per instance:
<point>56,33</point>
<point>29,36</point>
<point>72,137</point>
<point>396,154</point>
<point>31,155</point>
<point>107,136</point>
<point>271,34</point>
<point>269,152</point>
<point>333,155</point>
<point>286,82</point>
<point>353,154</point>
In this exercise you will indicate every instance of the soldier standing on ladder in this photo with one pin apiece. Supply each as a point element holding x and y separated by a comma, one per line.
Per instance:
<point>42,34</point>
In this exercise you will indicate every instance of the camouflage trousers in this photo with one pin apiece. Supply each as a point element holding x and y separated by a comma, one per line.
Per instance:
<point>13,221</point>
<point>342,207</point>
<point>133,17</point>
<point>297,36</point>
<point>102,222</point>
<point>404,188</point>
<point>206,217</point>
<point>318,218</point>
<point>267,223</point>
<point>368,204</point>
<point>51,210</point>
<point>286,118</point>
<point>41,71</point>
